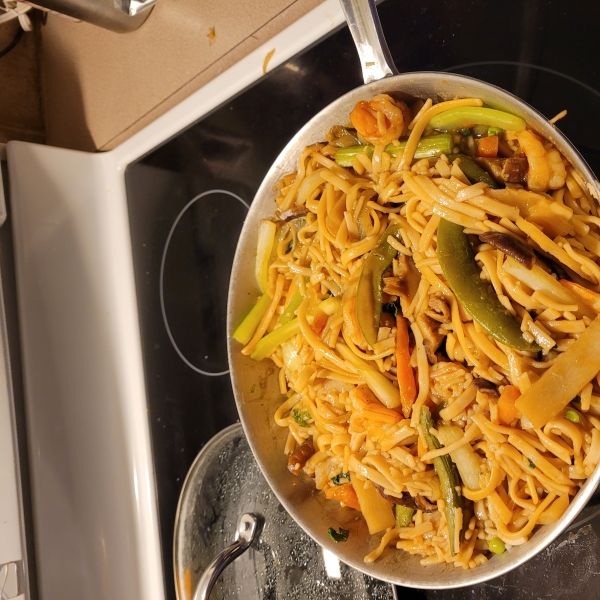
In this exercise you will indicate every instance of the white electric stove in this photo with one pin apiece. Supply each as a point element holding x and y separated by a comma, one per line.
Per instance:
<point>122,267</point>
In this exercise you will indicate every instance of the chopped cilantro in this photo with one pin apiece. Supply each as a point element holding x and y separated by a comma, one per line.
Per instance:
<point>336,480</point>
<point>252,389</point>
<point>466,132</point>
<point>531,465</point>
<point>301,417</point>
<point>338,536</point>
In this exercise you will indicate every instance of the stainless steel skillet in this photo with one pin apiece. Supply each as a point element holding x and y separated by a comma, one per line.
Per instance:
<point>255,388</point>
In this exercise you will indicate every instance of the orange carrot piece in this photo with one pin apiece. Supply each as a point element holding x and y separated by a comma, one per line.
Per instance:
<point>507,411</point>
<point>345,494</point>
<point>406,377</point>
<point>588,297</point>
<point>319,323</point>
<point>488,146</point>
<point>373,410</point>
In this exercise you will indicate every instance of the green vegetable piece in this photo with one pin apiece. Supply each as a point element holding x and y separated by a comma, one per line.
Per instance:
<point>336,480</point>
<point>247,327</point>
<point>448,476</point>
<point>532,465</point>
<point>338,536</point>
<point>572,415</point>
<point>370,288</point>
<point>267,345</point>
<point>466,132</point>
<point>468,116</point>
<point>404,515</point>
<point>289,313</point>
<point>473,172</point>
<point>302,417</point>
<point>430,146</point>
<point>457,260</point>
<point>496,545</point>
<point>494,131</point>
<point>391,308</point>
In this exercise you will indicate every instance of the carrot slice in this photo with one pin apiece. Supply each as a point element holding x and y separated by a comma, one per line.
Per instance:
<point>406,377</point>
<point>589,298</point>
<point>345,494</point>
<point>488,147</point>
<point>507,411</point>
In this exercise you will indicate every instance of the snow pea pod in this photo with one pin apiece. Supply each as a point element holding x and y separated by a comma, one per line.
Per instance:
<point>457,260</point>
<point>370,288</point>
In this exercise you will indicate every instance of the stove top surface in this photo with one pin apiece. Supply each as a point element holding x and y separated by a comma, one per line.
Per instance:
<point>188,198</point>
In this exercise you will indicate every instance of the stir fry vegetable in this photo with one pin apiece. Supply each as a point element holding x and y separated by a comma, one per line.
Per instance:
<point>457,260</point>
<point>449,482</point>
<point>370,292</point>
<point>468,116</point>
<point>473,172</point>
<point>433,145</point>
<point>559,384</point>
<point>266,238</point>
<point>247,327</point>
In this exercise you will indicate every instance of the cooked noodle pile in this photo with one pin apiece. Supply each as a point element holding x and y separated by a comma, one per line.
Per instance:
<point>381,426</point>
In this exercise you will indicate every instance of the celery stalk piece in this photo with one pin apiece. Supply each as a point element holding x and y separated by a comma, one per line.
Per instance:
<point>467,116</point>
<point>269,343</point>
<point>266,238</point>
<point>292,307</point>
<point>247,327</point>
<point>433,145</point>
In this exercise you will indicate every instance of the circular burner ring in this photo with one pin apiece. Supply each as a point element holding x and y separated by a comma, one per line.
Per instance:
<point>162,270</point>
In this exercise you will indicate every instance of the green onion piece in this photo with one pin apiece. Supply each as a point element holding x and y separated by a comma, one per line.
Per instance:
<point>467,116</point>
<point>494,131</point>
<point>338,536</point>
<point>290,312</point>
<point>532,465</point>
<point>267,345</point>
<point>302,417</point>
<point>336,480</point>
<point>243,334</point>
<point>429,146</point>
<point>496,545</point>
<point>572,415</point>
<point>466,132</point>
<point>404,515</point>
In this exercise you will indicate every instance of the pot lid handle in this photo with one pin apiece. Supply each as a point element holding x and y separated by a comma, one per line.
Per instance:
<point>365,27</point>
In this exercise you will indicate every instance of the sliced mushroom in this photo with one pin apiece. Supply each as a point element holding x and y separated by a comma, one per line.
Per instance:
<point>299,456</point>
<point>291,213</point>
<point>514,169</point>
<point>405,499</point>
<point>510,245</point>
<point>485,386</point>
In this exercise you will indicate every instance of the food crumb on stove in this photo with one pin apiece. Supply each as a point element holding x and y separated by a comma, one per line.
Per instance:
<point>268,57</point>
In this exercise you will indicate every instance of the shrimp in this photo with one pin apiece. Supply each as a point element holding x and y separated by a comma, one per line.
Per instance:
<point>380,120</point>
<point>546,168</point>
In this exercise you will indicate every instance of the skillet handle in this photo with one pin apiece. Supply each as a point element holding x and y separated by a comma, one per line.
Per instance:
<point>247,528</point>
<point>365,27</point>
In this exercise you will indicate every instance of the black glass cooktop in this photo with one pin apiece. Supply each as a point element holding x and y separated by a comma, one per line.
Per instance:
<point>188,199</point>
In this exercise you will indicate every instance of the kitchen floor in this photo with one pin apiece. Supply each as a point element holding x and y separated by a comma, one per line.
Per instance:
<point>21,116</point>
